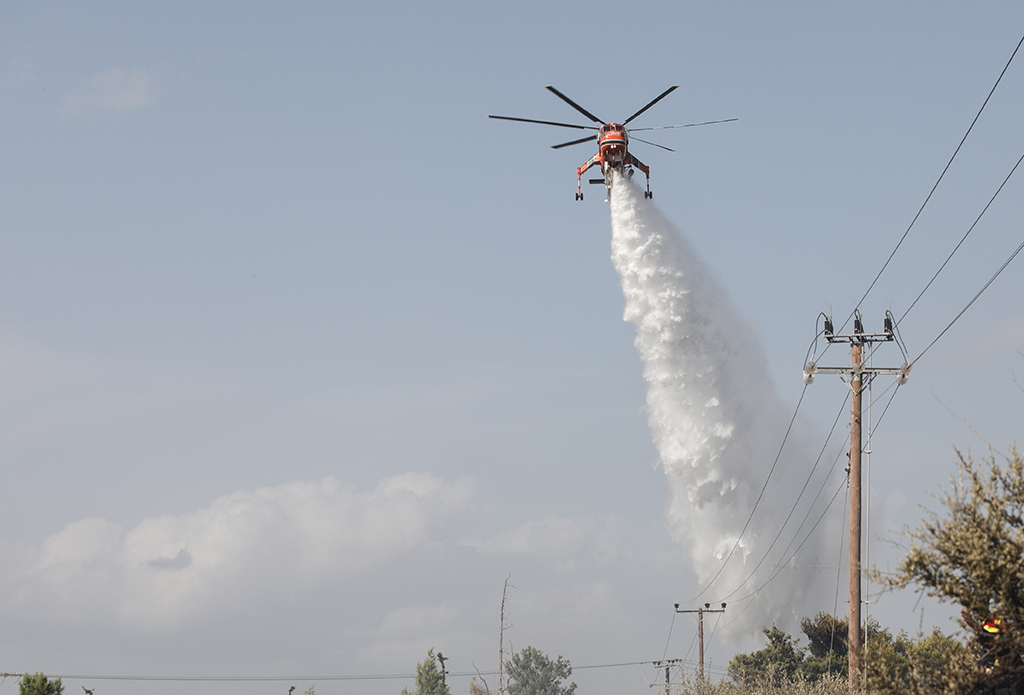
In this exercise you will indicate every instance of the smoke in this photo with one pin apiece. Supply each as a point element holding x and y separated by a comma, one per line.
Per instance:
<point>716,422</point>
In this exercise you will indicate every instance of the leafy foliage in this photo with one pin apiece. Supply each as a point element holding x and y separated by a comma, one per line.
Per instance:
<point>781,658</point>
<point>39,685</point>
<point>973,555</point>
<point>826,633</point>
<point>429,678</point>
<point>829,685</point>
<point>825,659</point>
<point>826,636</point>
<point>532,672</point>
<point>479,687</point>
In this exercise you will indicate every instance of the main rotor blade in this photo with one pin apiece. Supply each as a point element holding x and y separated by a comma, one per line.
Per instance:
<point>656,100</point>
<point>576,142</point>
<point>688,125</point>
<point>576,106</point>
<point>651,143</point>
<point>530,120</point>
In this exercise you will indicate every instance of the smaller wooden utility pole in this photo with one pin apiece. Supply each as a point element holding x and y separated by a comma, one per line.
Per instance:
<point>706,608</point>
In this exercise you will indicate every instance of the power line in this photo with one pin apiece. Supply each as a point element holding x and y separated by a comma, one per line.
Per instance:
<point>796,503</point>
<point>957,247</point>
<point>669,640</point>
<point>782,566</point>
<point>973,300</point>
<point>758,500</point>
<point>270,679</point>
<point>939,180</point>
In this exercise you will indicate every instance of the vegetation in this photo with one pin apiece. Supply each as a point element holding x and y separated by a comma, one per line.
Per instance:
<point>772,684</point>
<point>783,664</point>
<point>972,555</point>
<point>531,672</point>
<point>39,685</point>
<point>429,678</point>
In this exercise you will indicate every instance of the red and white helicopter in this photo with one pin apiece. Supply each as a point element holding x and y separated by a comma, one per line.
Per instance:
<point>612,140</point>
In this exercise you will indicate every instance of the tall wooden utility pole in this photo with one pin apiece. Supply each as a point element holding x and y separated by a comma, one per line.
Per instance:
<point>856,389</point>
<point>706,608</point>
<point>858,374</point>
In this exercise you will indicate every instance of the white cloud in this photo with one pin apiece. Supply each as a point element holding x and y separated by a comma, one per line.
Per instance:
<point>117,90</point>
<point>553,535</point>
<point>243,546</point>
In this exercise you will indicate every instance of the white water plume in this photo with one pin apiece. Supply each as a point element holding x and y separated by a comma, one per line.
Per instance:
<point>715,420</point>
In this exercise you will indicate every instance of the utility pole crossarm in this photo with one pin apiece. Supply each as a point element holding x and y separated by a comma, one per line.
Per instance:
<point>706,608</point>
<point>894,371</point>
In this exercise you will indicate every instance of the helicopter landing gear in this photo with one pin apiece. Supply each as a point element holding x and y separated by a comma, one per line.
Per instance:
<point>579,196</point>
<point>648,194</point>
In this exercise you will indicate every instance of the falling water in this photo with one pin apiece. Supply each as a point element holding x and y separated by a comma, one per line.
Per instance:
<point>714,418</point>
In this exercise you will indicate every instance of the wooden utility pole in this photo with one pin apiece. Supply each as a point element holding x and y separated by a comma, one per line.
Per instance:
<point>858,374</point>
<point>853,636</point>
<point>667,665</point>
<point>706,608</point>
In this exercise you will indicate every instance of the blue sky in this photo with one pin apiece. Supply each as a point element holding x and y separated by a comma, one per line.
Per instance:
<point>261,263</point>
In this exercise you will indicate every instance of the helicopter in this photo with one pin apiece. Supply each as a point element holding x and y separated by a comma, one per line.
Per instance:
<point>612,141</point>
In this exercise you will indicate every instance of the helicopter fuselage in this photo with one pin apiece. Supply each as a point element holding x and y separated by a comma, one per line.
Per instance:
<point>612,155</point>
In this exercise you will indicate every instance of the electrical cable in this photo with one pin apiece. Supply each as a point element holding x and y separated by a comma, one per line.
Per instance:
<point>973,300</point>
<point>839,572</point>
<point>882,395</point>
<point>759,496</point>
<point>796,503</point>
<point>690,649</point>
<point>713,630</point>
<point>957,247</point>
<point>269,679</point>
<point>669,640</point>
<point>782,566</point>
<point>803,521</point>
<point>939,180</point>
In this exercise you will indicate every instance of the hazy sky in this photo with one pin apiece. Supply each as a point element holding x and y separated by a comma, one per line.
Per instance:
<point>301,355</point>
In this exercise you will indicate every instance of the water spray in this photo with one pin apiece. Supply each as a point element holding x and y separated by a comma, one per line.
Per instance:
<point>712,411</point>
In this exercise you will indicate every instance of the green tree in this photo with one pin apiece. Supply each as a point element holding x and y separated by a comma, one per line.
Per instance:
<point>532,672</point>
<point>888,652</point>
<point>429,678</point>
<point>971,555</point>
<point>783,661</point>
<point>773,665</point>
<point>39,685</point>
<point>826,635</point>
